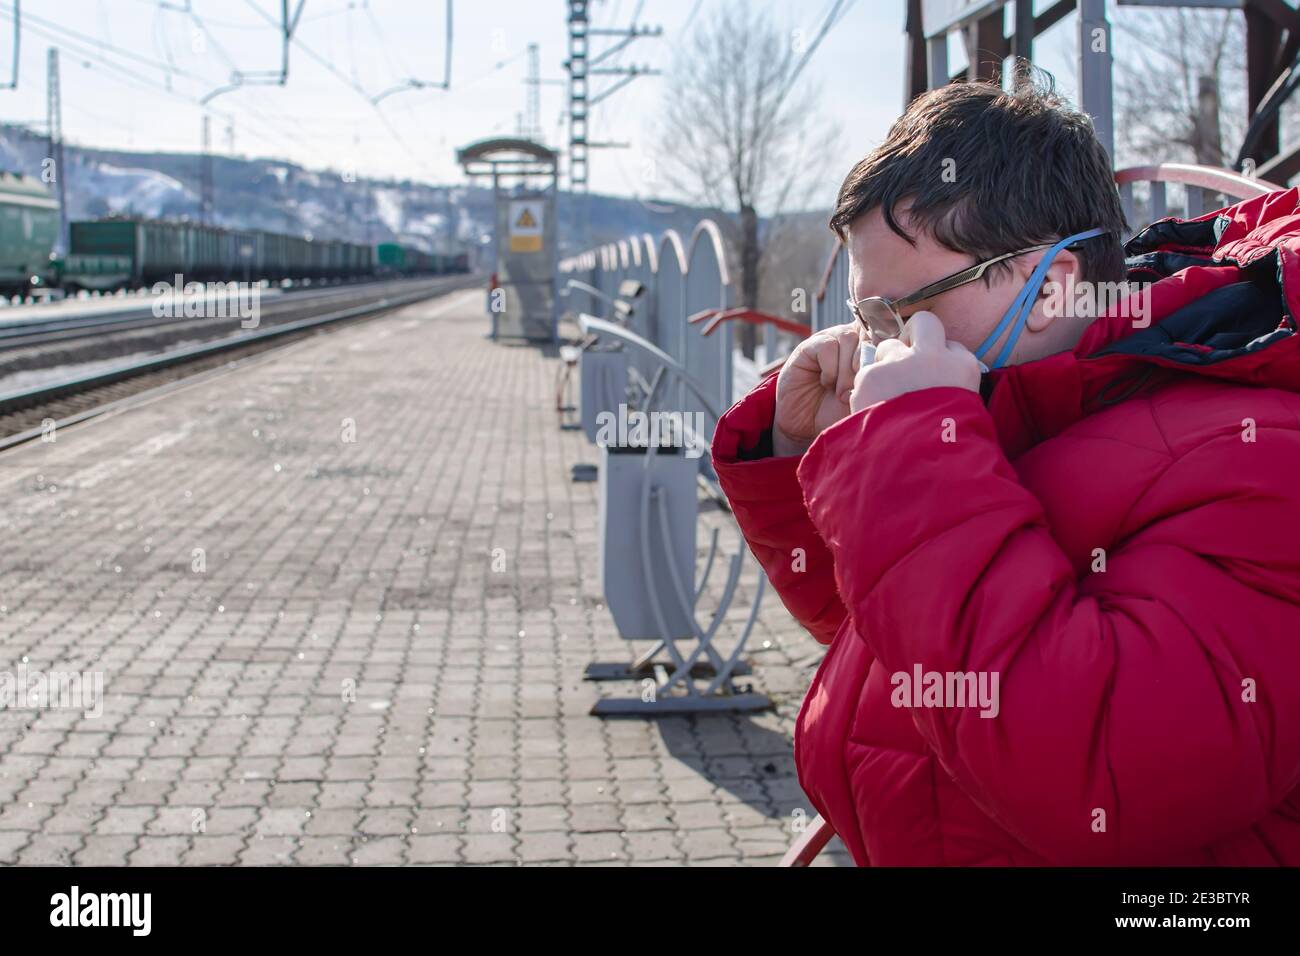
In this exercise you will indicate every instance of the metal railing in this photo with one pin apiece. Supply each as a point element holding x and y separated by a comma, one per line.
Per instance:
<point>674,329</point>
<point>1203,184</point>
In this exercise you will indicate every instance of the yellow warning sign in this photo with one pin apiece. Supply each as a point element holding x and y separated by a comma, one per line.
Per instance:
<point>526,221</point>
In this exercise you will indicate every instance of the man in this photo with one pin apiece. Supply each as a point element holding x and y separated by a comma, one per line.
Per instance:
<point>1062,596</point>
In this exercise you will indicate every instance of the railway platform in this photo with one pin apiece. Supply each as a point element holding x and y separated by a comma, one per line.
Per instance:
<point>341,597</point>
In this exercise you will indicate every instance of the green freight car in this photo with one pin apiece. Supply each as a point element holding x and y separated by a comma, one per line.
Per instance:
<point>394,259</point>
<point>390,258</point>
<point>29,228</point>
<point>109,255</point>
<point>124,253</point>
<point>127,253</point>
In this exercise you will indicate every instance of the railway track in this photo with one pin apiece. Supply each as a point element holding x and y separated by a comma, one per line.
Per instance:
<point>34,345</point>
<point>40,331</point>
<point>25,413</point>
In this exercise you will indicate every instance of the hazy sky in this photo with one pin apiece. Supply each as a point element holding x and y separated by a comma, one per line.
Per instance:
<point>119,57</point>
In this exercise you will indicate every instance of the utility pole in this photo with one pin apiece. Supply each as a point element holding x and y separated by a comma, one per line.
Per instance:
<point>450,234</point>
<point>55,152</point>
<point>18,31</point>
<point>581,66</point>
<point>205,174</point>
<point>533,123</point>
<point>370,216</point>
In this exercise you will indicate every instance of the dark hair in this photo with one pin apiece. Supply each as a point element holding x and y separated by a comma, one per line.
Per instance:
<point>986,171</point>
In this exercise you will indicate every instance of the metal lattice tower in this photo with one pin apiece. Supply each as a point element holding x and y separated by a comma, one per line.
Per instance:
<point>581,65</point>
<point>577,66</point>
<point>55,152</point>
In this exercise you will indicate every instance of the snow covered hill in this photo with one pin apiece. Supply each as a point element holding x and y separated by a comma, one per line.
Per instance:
<point>284,197</point>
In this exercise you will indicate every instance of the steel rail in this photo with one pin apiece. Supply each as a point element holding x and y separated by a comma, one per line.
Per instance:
<point>24,333</point>
<point>26,398</point>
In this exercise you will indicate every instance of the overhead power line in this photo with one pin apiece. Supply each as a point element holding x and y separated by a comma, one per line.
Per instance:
<point>416,84</point>
<point>93,52</point>
<point>17,16</point>
<point>239,78</point>
<point>347,81</point>
<point>837,12</point>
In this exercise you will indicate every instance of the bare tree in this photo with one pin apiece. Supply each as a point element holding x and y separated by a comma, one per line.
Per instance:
<point>1181,86</point>
<point>740,131</point>
<point>796,247</point>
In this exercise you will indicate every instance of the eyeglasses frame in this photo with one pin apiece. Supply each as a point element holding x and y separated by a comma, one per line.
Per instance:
<point>946,284</point>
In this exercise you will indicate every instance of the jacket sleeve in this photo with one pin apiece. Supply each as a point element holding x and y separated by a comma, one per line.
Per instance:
<point>1122,731</point>
<point>768,503</point>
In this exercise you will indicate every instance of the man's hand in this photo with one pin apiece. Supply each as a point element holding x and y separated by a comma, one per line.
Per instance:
<point>812,389</point>
<point>922,357</point>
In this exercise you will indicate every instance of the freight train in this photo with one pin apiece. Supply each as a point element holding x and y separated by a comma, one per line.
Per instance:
<point>29,226</point>
<point>126,252</point>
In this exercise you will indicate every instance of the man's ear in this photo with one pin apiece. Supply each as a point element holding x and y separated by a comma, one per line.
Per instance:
<point>1054,294</point>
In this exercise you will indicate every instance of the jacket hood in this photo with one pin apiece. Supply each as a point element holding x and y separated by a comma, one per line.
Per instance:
<point>1220,292</point>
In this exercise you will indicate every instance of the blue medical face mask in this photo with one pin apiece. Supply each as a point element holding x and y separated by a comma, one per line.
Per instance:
<point>1018,314</point>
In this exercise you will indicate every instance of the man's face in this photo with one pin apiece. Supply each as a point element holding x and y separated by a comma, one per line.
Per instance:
<point>883,263</point>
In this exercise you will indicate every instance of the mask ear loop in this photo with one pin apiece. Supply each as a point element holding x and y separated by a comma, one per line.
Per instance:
<point>1023,304</point>
<point>1029,297</point>
<point>1017,312</point>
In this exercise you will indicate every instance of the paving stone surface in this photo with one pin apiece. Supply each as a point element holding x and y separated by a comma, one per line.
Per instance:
<point>340,600</point>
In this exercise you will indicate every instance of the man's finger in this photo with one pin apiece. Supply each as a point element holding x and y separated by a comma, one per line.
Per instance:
<point>804,357</point>
<point>828,360</point>
<point>924,332</point>
<point>848,344</point>
<point>890,350</point>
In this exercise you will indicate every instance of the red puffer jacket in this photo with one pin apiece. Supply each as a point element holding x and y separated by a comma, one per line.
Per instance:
<point>1112,534</point>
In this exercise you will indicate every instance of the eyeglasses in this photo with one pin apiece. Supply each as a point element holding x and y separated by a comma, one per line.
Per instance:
<point>882,317</point>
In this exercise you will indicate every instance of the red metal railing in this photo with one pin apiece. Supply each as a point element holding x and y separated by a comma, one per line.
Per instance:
<point>1225,181</point>
<point>812,842</point>
<point>715,317</point>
